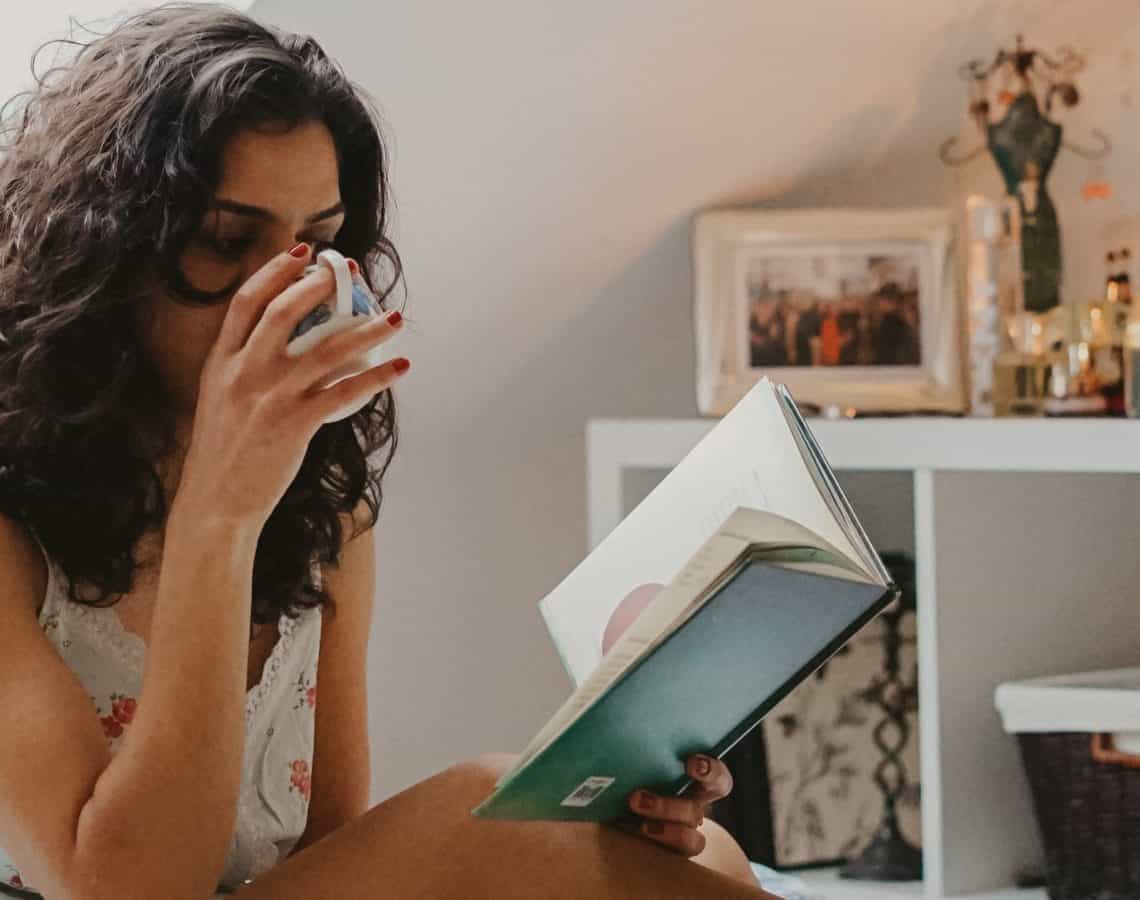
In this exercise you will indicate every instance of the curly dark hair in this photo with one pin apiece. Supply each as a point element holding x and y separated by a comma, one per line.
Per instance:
<point>111,160</point>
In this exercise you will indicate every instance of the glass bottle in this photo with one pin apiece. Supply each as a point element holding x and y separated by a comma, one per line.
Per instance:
<point>1009,371</point>
<point>1111,317</point>
<point>1131,344</point>
<point>1124,277</point>
<point>1023,368</point>
<point>1110,283</point>
<point>1132,364</point>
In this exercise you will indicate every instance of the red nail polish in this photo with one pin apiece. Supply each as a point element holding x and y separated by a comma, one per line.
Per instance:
<point>401,365</point>
<point>353,266</point>
<point>300,251</point>
<point>394,317</point>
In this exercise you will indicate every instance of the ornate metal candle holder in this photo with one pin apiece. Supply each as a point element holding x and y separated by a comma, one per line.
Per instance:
<point>890,856</point>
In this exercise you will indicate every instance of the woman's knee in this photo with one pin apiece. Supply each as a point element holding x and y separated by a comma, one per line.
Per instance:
<point>477,777</point>
<point>724,854</point>
<point>493,764</point>
<point>453,793</point>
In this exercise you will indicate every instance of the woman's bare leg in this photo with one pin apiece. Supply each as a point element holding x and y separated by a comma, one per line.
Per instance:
<point>723,854</point>
<point>423,843</point>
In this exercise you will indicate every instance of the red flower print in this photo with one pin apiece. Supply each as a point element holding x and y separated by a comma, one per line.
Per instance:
<point>300,778</point>
<point>311,696</point>
<point>112,728</point>
<point>123,709</point>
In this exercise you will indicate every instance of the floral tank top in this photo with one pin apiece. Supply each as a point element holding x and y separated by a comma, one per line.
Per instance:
<point>279,717</point>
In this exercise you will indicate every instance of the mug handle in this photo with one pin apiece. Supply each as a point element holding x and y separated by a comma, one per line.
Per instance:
<point>339,265</point>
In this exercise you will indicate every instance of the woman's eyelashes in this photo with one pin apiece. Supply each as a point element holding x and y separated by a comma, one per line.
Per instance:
<point>234,248</point>
<point>230,248</point>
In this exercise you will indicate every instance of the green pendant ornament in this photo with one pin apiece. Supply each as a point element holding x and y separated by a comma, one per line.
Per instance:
<point>1024,141</point>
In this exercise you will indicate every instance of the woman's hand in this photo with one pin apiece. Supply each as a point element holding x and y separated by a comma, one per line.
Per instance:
<point>673,821</point>
<point>258,407</point>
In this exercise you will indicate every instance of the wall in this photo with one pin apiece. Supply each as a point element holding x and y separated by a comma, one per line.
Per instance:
<point>548,157</point>
<point>36,24</point>
<point>49,20</point>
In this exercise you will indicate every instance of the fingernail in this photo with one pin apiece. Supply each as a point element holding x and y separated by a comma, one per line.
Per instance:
<point>702,766</point>
<point>644,801</point>
<point>353,266</point>
<point>401,365</point>
<point>394,317</point>
<point>300,251</point>
<point>655,827</point>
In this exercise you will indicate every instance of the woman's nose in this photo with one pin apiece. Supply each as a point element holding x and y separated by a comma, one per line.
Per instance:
<point>280,243</point>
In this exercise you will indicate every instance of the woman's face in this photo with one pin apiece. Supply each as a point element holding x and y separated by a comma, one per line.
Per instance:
<point>275,190</point>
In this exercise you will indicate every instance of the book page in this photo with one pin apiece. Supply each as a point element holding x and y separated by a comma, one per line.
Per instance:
<point>829,488</point>
<point>776,538</point>
<point>748,459</point>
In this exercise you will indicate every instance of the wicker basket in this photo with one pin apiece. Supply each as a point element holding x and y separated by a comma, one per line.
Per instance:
<point>1078,742</point>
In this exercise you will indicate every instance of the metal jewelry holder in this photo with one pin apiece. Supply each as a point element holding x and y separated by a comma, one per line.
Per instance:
<point>890,856</point>
<point>1012,103</point>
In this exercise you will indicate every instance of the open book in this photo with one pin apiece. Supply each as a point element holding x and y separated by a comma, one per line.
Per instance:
<point>751,569</point>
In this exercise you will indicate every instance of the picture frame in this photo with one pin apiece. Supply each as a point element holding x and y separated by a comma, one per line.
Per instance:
<point>855,310</point>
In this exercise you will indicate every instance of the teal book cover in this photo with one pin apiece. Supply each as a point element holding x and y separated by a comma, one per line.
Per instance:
<point>766,629</point>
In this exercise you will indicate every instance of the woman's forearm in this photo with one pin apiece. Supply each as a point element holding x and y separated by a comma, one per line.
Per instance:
<point>162,813</point>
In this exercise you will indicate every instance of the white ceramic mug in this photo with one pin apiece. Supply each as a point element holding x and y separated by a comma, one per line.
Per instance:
<point>353,304</point>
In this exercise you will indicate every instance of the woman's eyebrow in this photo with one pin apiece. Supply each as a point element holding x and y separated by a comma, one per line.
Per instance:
<point>244,209</point>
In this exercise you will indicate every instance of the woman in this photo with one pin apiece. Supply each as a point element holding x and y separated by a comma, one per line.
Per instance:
<point>170,490</point>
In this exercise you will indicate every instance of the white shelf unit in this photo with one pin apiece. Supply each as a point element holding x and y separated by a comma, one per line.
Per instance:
<point>1023,538</point>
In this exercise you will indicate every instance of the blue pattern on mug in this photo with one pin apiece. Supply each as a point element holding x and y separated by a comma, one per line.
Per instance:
<point>363,304</point>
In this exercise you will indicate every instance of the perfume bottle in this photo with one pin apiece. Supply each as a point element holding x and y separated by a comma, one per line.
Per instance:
<point>1110,284</point>
<point>1124,277</point>
<point>1075,389</point>
<point>1131,346</point>
<point>1111,318</point>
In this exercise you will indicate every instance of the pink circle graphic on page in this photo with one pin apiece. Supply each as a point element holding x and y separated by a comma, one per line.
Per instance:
<point>628,610</point>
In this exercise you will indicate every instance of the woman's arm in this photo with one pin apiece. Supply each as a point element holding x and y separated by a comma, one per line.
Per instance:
<point>341,766</point>
<point>155,820</point>
<point>160,817</point>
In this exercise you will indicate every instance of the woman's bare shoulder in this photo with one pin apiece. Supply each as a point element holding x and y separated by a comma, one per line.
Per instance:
<point>23,571</point>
